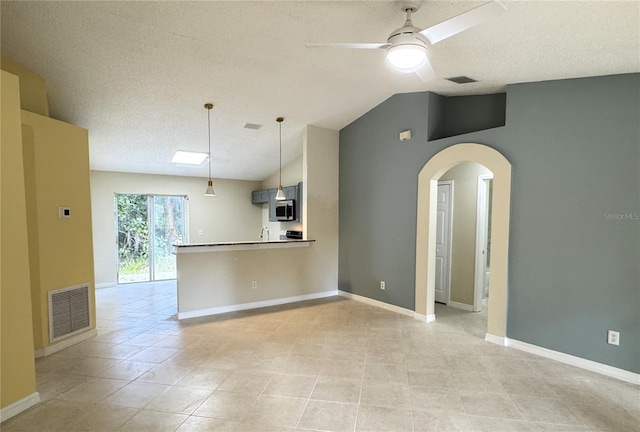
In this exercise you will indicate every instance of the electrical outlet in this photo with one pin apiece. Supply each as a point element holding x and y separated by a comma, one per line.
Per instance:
<point>382,285</point>
<point>254,285</point>
<point>613,337</point>
<point>200,232</point>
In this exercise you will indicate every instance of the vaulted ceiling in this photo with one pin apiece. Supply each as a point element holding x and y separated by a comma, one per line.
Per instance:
<point>137,74</point>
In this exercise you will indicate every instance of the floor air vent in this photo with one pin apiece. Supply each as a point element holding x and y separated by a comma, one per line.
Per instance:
<point>69,311</point>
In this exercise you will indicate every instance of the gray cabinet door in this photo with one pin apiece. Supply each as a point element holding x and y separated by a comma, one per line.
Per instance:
<point>272,204</point>
<point>260,196</point>
<point>291,192</point>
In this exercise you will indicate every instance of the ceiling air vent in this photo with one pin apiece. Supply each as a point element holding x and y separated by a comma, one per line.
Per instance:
<point>461,80</point>
<point>252,126</point>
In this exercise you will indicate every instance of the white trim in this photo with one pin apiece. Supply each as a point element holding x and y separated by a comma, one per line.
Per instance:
<point>106,285</point>
<point>17,407</point>
<point>580,362</point>
<point>481,240</point>
<point>424,318</point>
<point>65,343</point>
<point>426,227</point>
<point>495,339</point>
<point>254,305</point>
<point>376,303</point>
<point>561,357</point>
<point>462,306</point>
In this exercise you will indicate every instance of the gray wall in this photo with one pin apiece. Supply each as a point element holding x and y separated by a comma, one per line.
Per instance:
<point>574,146</point>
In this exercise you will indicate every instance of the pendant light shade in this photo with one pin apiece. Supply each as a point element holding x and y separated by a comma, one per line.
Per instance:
<point>209,192</point>
<point>280,195</point>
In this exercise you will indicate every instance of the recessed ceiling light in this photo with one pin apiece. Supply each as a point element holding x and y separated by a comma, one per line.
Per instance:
<point>189,158</point>
<point>252,126</point>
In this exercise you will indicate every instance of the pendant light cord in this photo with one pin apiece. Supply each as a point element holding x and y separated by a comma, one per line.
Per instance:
<point>280,124</point>
<point>209,125</point>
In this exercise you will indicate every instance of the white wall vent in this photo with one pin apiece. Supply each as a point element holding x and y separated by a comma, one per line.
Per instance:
<point>69,311</point>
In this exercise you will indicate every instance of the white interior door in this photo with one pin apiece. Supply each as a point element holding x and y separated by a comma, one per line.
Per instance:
<point>443,241</point>
<point>483,242</point>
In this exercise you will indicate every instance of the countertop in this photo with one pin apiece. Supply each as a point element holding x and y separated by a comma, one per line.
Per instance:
<point>239,245</point>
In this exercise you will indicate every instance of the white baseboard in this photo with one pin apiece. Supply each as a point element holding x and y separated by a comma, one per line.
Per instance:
<point>424,318</point>
<point>17,407</point>
<point>254,305</point>
<point>580,362</point>
<point>65,343</point>
<point>376,303</point>
<point>462,306</point>
<point>106,285</point>
<point>495,339</point>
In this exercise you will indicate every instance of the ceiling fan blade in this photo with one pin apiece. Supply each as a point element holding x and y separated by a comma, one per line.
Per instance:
<point>426,73</point>
<point>350,45</point>
<point>462,22</point>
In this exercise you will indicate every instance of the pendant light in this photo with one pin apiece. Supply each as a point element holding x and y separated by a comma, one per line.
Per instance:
<point>280,195</point>
<point>209,192</point>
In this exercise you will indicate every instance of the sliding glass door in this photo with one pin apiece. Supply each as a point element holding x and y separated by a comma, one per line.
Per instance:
<point>147,227</point>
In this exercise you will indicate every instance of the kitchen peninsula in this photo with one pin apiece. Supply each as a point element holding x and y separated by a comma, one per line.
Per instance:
<point>215,278</point>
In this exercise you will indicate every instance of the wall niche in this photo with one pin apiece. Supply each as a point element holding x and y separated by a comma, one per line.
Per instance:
<point>457,115</point>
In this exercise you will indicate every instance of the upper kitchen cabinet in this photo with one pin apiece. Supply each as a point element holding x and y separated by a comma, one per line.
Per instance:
<point>269,196</point>
<point>260,196</point>
<point>291,192</point>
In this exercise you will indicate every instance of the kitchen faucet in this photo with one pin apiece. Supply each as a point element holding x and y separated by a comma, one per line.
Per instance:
<point>262,231</point>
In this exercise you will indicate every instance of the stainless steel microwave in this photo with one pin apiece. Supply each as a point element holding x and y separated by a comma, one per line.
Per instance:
<point>285,210</point>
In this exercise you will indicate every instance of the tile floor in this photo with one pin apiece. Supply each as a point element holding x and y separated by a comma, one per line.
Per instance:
<point>327,365</point>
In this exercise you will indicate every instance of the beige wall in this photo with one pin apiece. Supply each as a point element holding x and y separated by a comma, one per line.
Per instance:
<point>463,253</point>
<point>217,279</point>
<point>17,366</point>
<point>56,174</point>
<point>229,216</point>
<point>291,175</point>
<point>320,205</point>
<point>33,88</point>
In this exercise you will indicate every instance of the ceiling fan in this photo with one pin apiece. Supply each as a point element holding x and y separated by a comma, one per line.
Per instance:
<point>407,46</point>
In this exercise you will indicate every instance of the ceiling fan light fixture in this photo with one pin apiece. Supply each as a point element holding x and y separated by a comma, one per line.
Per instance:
<point>407,57</point>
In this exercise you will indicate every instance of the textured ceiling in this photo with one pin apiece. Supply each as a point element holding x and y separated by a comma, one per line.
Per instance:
<point>137,74</point>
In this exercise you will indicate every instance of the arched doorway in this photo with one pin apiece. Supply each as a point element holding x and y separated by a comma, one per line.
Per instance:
<point>426,230</point>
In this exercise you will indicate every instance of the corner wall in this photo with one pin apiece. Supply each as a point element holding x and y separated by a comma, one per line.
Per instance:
<point>17,365</point>
<point>56,174</point>
<point>33,88</point>
<point>320,205</point>
<point>575,234</point>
